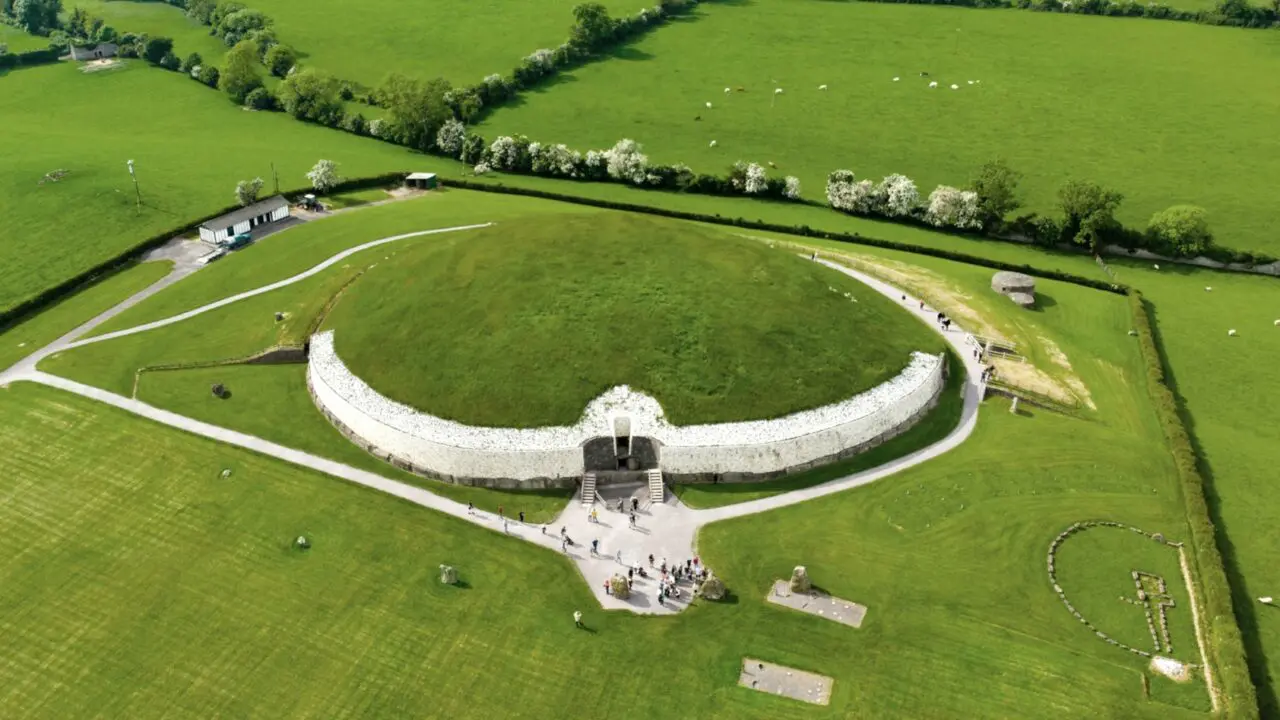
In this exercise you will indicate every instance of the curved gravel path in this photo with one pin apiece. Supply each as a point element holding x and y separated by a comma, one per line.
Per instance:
<point>667,530</point>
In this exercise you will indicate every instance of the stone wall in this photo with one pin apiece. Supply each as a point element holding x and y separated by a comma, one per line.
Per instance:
<point>553,456</point>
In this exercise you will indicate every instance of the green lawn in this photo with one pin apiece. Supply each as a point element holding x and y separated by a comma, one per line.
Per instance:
<point>524,324</point>
<point>20,41</point>
<point>1228,386</point>
<point>156,19</point>
<point>164,619</point>
<point>459,41</point>
<point>21,340</point>
<point>190,147</point>
<point>1121,102</point>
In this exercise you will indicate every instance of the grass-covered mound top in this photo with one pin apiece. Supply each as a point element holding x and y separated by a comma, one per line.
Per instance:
<point>524,323</point>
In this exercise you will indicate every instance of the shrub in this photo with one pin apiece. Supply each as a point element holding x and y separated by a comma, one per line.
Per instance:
<point>900,195</point>
<point>247,191</point>
<point>624,161</point>
<point>208,75</point>
<point>1182,230</point>
<point>450,138</point>
<point>1088,211</point>
<point>952,207</point>
<point>154,49</point>
<point>170,62</point>
<point>792,190</point>
<point>260,99</point>
<point>280,59</point>
<point>192,62</point>
<point>996,186</point>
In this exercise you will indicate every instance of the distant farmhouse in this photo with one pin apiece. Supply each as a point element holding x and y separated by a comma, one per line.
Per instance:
<point>94,52</point>
<point>263,212</point>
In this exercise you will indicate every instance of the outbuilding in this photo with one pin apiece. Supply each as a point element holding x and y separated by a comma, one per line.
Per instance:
<point>263,212</point>
<point>94,52</point>
<point>422,181</point>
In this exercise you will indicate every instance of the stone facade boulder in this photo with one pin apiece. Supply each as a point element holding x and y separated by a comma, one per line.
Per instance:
<point>800,580</point>
<point>712,588</point>
<point>1019,288</point>
<point>448,575</point>
<point>620,586</point>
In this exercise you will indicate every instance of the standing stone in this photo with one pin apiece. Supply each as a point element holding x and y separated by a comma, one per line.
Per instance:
<point>800,580</point>
<point>712,588</point>
<point>1013,407</point>
<point>620,586</point>
<point>448,575</point>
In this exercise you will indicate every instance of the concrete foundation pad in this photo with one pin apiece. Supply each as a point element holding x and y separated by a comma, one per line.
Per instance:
<point>818,603</point>
<point>787,682</point>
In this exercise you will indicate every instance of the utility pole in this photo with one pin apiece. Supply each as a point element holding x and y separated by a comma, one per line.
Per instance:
<point>137,193</point>
<point>275,179</point>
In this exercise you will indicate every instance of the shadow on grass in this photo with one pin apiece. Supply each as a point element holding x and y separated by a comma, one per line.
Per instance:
<point>1241,600</point>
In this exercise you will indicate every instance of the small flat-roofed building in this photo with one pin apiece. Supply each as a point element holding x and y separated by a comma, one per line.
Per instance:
<point>422,181</point>
<point>263,212</point>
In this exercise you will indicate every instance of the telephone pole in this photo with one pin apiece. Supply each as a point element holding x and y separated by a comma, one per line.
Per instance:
<point>137,193</point>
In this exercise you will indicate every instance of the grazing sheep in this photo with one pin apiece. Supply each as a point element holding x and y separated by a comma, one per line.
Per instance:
<point>1156,266</point>
<point>727,91</point>
<point>1208,289</point>
<point>708,104</point>
<point>777,91</point>
<point>696,118</point>
<point>713,143</point>
<point>896,79</point>
<point>924,74</point>
<point>933,84</point>
<point>1231,333</point>
<point>970,82</point>
<point>955,87</point>
<point>1277,323</point>
<point>822,87</point>
<point>772,165</point>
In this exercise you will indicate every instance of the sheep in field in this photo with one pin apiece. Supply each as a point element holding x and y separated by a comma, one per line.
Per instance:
<point>933,84</point>
<point>713,143</point>
<point>822,87</point>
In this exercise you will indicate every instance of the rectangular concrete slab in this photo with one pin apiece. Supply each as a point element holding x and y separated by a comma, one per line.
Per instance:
<point>785,681</point>
<point>818,603</point>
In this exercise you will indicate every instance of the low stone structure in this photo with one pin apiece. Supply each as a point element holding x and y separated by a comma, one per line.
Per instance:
<point>816,602</point>
<point>448,575</point>
<point>785,681</point>
<point>554,456</point>
<point>712,588</point>
<point>1019,288</point>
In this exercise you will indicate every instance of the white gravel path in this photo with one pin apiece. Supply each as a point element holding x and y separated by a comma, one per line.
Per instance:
<point>667,531</point>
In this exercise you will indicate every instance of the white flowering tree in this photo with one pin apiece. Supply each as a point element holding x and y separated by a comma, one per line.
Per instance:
<point>504,154</point>
<point>247,191</point>
<point>481,168</point>
<point>557,160</point>
<point>597,164</point>
<point>324,176</point>
<point>540,58</point>
<point>792,189</point>
<point>952,207</point>
<point>378,128</point>
<point>756,182</point>
<point>850,195</point>
<point>626,162</point>
<point>450,137</point>
<point>900,195</point>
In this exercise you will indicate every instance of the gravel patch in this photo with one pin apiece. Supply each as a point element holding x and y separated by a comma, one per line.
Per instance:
<point>785,681</point>
<point>818,603</point>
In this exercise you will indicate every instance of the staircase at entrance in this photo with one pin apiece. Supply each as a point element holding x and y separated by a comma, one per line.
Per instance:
<point>657,491</point>
<point>588,489</point>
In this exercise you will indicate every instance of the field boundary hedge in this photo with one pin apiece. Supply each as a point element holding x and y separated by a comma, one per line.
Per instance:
<point>1243,15</point>
<point>1226,645</point>
<point>29,58</point>
<point>29,307</point>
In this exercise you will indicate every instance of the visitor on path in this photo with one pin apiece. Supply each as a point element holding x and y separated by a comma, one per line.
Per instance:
<point>695,559</point>
<point>633,520</point>
<point>562,531</point>
<point>619,556</point>
<point>607,589</point>
<point>595,546</point>
<point>521,516</point>
<point>471,509</point>
<point>631,573</point>
<point>544,529</point>
<point>500,512</point>
<point>595,515</point>
<point>577,618</point>
<point>650,559</point>
<point>505,529</point>
<point>564,546</point>
<point>635,504</point>
<point>660,596</point>
<point>921,304</point>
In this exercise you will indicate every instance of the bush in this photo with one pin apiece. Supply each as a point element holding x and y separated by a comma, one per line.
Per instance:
<point>1182,230</point>
<point>170,62</point>
<point>208,75</point>
<point>193,61</point>
<point>155,49</point>
<point>280,59</point>
<point>260,99</point>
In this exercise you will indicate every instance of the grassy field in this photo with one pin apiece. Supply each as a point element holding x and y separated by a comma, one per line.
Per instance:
<point>20,41</point>
<point>1124,103</point>
<point>953,574</point>
<point>461,42</point>
<point>21,340</point>
<point>190,147</point>
<point>156,19</point>
<point>524,325</point>
<point>1226,383</point>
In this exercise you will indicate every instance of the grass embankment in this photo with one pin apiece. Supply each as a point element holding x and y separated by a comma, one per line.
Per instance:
<point>949,557</point>
<point>1052,75</point>
<point>524,324</point>
<point>20,41</point>
<point>21,340</point>
<point>190,147</point>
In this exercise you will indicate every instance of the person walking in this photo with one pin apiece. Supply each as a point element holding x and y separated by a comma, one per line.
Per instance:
<point>631,574</point>
<point>505,529</point>
<point>577,619</point>
<point>595,515</point>
<point>635,504</point>
<point>564,546</point>
<point>650,559</point>
<point>618,557</point>
<point>471,508</point>
<point>595,546</point>
<point>500,511</point>
<point>562,531</point>
<point>607,589</point>
<point>633,520</point>
<point>521,516</point>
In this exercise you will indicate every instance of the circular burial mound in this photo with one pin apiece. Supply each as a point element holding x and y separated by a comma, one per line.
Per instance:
<point>524,323</point>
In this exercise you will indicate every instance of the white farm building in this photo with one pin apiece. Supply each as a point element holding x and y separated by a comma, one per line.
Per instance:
<point>224,227</point>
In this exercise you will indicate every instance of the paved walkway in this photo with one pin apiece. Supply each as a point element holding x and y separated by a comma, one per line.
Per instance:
<point>667,530</point>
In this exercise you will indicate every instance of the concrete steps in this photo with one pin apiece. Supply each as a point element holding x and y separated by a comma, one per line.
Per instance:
<point>657,491</point>
<point>588,489</point>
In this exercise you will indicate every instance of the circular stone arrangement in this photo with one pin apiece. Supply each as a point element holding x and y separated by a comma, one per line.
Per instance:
<point>523,324</point>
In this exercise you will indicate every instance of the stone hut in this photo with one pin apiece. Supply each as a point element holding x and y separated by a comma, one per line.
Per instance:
<point>1019,288</point>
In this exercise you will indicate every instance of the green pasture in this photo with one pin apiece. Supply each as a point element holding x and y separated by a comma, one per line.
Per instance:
<point>461,42</point>
<point>190,147</point>
<point>156,19</point>
<point>1126,103</point>
<point>25,338</point>
<point>524,324</point>
<point>20,41</point>
<point>948,556</point>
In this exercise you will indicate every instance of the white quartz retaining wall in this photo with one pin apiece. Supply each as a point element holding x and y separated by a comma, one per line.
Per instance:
<point>552,456</point>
